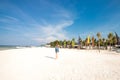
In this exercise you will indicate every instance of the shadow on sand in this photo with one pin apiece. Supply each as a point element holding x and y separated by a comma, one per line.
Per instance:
<point>50,57</point>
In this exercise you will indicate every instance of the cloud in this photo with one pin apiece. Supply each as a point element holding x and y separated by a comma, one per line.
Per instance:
<point>40,29</point>
<point>54,32</point>
<point>8,19</point>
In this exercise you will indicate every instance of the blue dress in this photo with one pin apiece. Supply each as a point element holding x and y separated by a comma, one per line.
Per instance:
<point>56,49</point>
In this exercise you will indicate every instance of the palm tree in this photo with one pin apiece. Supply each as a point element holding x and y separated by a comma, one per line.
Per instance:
<point>84,43</point>
<point>107,42</point>
<point>95,42</point>
<point>68,43</point>
<point>103,42</point>
<point>79,42</point>
<point>64,43</point>
<point>73,43</point>
<point>51,44</point>
<point>110,37</point>
<point>60,43</point>
<point>99,37</point>
<point>114,40</point>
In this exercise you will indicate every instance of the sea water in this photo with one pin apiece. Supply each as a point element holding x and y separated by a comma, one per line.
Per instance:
<point>6,47</point>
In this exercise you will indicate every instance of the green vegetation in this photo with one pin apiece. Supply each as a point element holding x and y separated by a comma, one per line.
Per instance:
<point>111,40</point>
<point>73,43</point>
<point>99,39</point>
<point>64,43</point>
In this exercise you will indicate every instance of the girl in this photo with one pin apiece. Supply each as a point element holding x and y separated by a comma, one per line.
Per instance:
<point>56,50</point>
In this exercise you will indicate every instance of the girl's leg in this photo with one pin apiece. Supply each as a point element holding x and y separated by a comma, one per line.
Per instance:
<point>56,55</point>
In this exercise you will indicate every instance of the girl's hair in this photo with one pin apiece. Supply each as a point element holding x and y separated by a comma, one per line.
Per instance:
<point>56,43</point>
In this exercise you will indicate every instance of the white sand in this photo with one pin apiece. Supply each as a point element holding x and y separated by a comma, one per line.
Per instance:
<point>40,64</point>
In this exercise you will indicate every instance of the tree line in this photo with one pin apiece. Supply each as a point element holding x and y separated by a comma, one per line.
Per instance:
<point>111,40</point>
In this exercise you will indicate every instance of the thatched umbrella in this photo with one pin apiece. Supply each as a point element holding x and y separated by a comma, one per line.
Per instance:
<point>93,41</point>
<point>79,42</point>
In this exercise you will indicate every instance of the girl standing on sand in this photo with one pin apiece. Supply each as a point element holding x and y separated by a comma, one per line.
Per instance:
<point>57,50</point>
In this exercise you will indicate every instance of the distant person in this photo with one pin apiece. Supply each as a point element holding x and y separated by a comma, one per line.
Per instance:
<point>56,50</point>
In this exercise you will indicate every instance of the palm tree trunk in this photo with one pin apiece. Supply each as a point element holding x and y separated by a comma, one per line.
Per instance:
<point>99,46</point>
<point>110,46</point>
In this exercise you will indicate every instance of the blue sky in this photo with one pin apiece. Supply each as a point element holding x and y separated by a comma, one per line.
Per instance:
<point>34,22</point>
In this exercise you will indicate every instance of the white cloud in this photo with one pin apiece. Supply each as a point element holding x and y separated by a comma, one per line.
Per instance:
<point>8,19</point>
<point>54,32</point>
<point>39,29</point>
<point>12,18</point>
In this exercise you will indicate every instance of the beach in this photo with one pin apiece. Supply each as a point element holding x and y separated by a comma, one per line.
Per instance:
<point>72,64</point>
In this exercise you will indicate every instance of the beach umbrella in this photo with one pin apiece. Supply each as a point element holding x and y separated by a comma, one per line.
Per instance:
<point>79,41</point>
<point>88,40</point>
<point>92,41</point>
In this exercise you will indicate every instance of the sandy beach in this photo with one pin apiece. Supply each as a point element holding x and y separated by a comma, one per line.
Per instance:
<point>72,64</point>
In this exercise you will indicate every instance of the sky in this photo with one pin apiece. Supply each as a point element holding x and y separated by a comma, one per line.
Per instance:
<point>36,22</point>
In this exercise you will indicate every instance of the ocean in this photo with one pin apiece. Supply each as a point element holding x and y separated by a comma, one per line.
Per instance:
<point>7,47</point>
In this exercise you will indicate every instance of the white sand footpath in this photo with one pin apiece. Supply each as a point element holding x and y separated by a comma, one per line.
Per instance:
<point>40,64</point>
